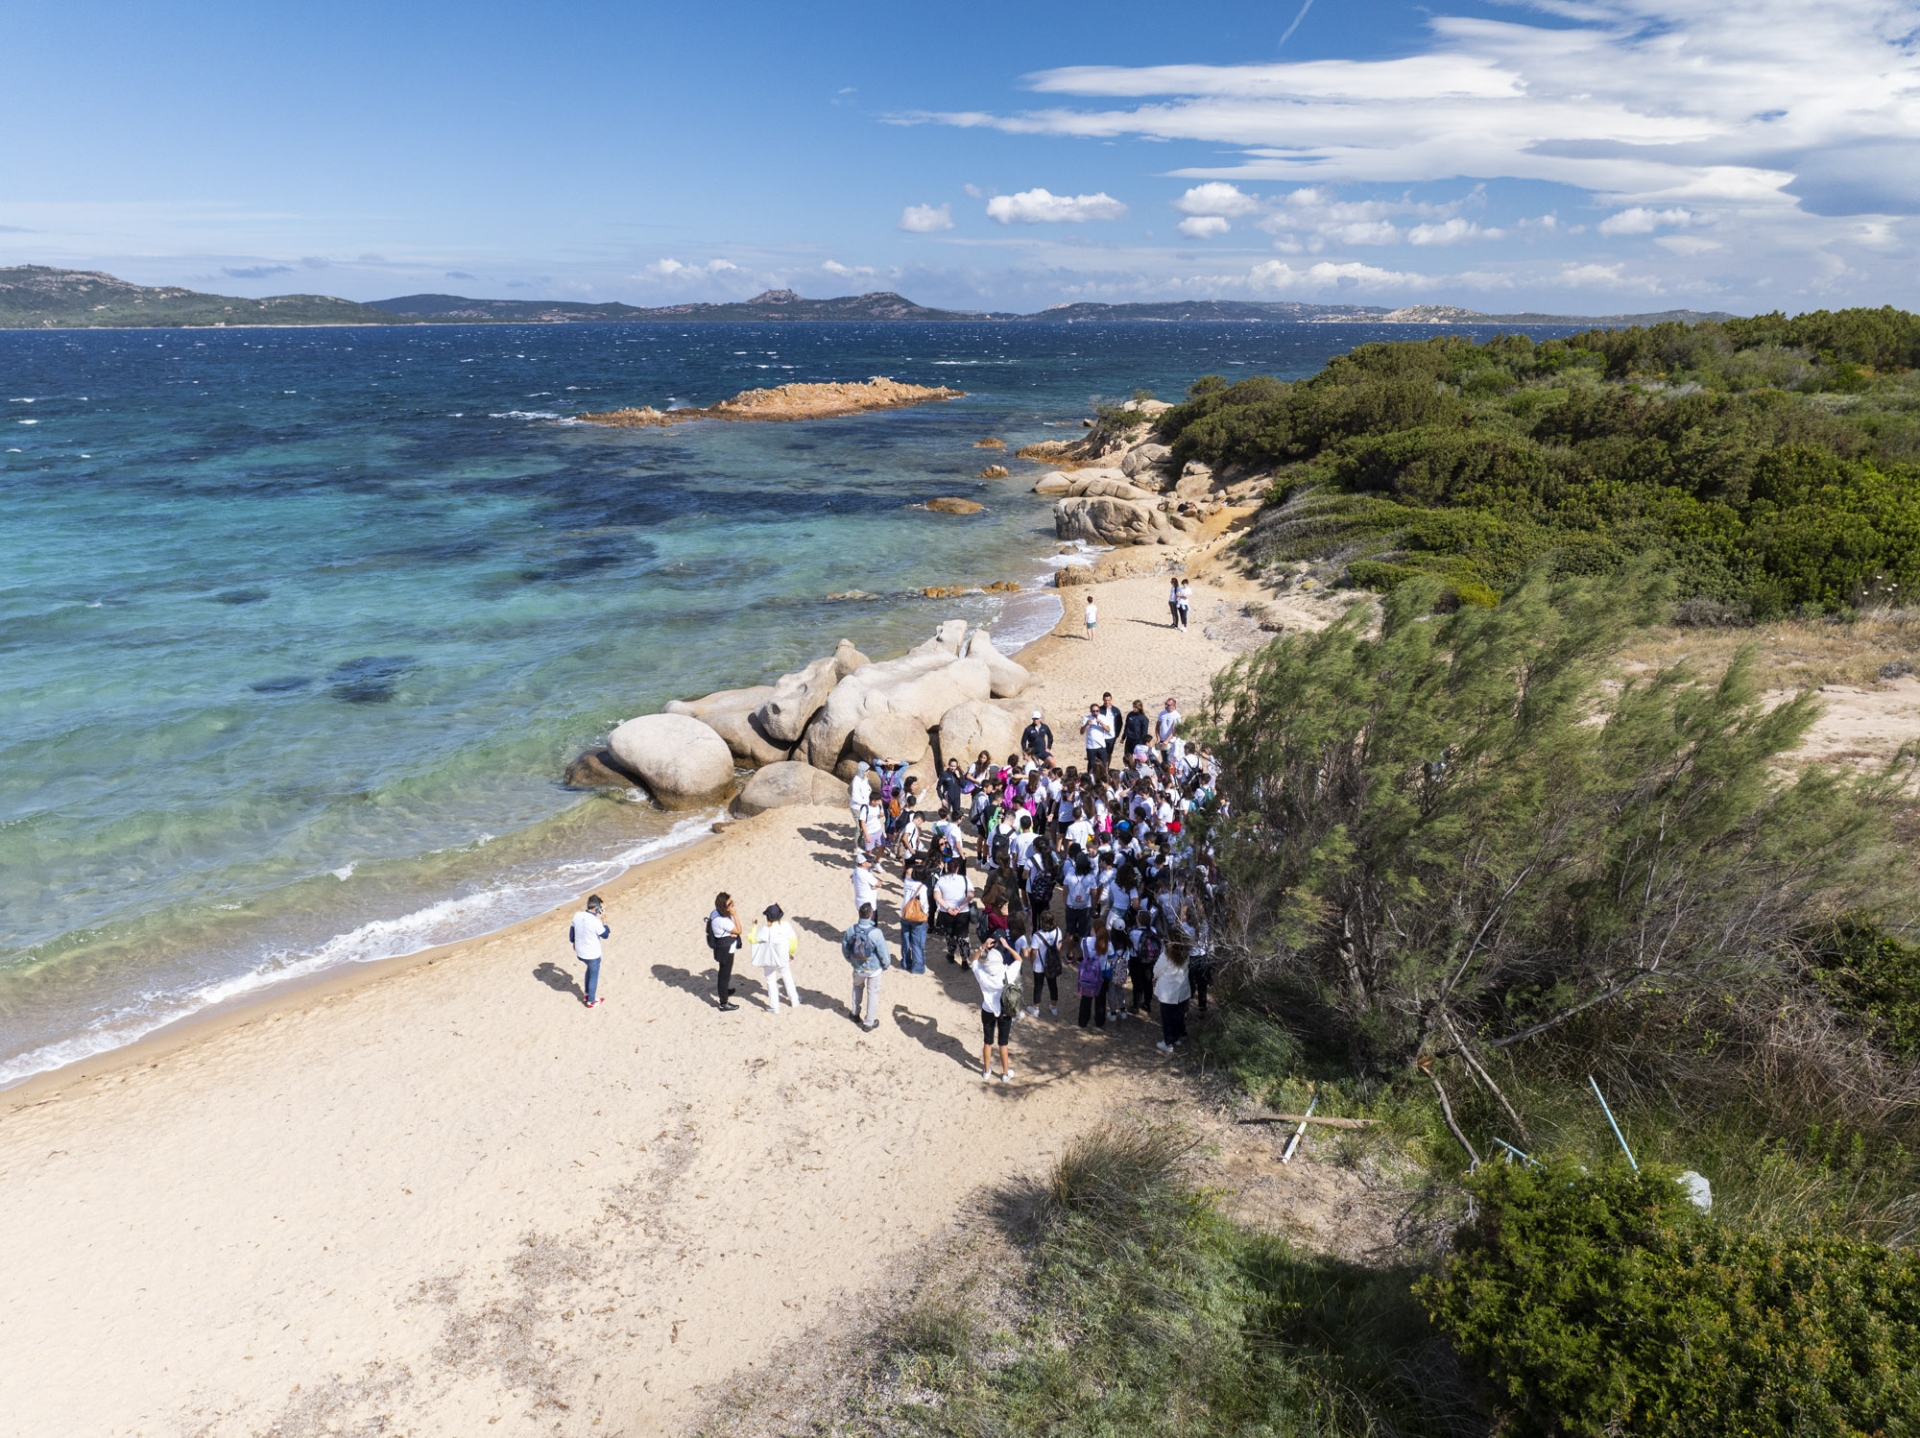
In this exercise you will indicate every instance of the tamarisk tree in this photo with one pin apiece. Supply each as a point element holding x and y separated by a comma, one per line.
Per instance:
<point>1468,830</point>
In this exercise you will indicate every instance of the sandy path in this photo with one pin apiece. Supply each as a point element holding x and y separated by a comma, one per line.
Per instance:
<point>448,1200</point>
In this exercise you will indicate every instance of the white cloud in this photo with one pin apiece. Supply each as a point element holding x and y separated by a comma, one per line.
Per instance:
<point>1203,227</point>
<point>1765,104</point>
<point>848,272</point>
<point>668,267</point>
<point>1688,244</point>
<point>1642,221</point>
<point>1038,207</point>
<point>926,219</point>
<point>1451,232</point>
<point>1279,275</point>
<point>1216,197</point>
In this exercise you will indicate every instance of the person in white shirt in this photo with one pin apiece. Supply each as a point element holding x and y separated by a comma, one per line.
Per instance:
<point>860,793</point>
<point>1173,603</point>
<point>1079,884</point>
<point>953,904</point>
<point>773,947</point>
<point>1093,616</point>
<point>1044,950</point>
<point>866,885</point>
<point>1165,722</point>
<point>1183,602</point>
<point>585,933</point>
<point>1094,734</point>
<point>996,970</point>
<point>1172,988</point>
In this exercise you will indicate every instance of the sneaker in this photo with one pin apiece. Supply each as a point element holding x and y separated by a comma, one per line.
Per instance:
<point>1007,1077</point>
<point>1053,1011</point>
<point>871,1025</point>
<point>1164,1047</point>
<point>727,1008</point>
<point>1033,1011</point>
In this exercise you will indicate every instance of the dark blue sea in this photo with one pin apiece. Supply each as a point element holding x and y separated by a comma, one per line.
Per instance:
<point>299,627</point>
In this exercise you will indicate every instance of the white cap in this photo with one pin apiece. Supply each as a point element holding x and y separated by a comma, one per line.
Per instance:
<point>1036,713</point>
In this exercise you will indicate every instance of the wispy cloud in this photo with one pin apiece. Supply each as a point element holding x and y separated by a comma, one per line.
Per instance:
<point>1040,207</point>
<point>255,272</point>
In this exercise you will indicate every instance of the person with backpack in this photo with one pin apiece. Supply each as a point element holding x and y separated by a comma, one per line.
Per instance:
<point>723,938</point>
<point>585,933</point>
<point>1041,879</point>
<point>1096,972</point>
<point>774,946</point>
<point>916,901</point>
<point>1044,948</point>
<point>1079,883</point>
<point>865,948</point>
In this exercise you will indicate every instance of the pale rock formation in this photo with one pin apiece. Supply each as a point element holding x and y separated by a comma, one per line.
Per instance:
<point>797,697</point>
<point>1111,521</point>
<point>750,748</point>
<point>682,762</point>
<point>1110,489</point>
<point>896,738</point>
<point>596,769</point>
<point>791,782</point>
<point>967,728</point>
<point>1144,458</point>
<point>745,699</point>
<point>1195,480</point>
<point>1006,677</point>
<point>924,684</point>
<point>1053,483</point>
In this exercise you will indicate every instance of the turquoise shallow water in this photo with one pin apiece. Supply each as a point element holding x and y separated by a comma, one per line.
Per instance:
<point>299,627</point>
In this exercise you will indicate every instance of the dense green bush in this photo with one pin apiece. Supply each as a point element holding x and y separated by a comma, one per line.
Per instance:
<point>1875,977</point>
<point>1605,1303</point>
<point>1765,462</point>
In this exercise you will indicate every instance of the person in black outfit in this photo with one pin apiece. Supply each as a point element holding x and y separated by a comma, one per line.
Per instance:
<point>1137,730</point>
<point>1036,741</point>
<point>952,785</point>
<point>723,937</point>
<point>1110,712</point>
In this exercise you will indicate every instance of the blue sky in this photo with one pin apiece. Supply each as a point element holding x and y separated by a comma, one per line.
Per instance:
<point>1589,157</point>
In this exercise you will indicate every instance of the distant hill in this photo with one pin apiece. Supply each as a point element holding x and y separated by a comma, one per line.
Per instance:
<point>41,297</point>
<point>882,305</point>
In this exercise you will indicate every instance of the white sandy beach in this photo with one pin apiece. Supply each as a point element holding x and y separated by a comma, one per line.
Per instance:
<point>445,1199</point>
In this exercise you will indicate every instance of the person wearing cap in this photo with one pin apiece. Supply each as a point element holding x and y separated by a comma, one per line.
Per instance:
<point>1036,740</point>
<point>860,791</point>
<point>774,945</point>
<point>866,885</point>
<point>585,933</point>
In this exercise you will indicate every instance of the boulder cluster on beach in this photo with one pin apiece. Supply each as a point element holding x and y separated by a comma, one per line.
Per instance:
<point>804,734</point>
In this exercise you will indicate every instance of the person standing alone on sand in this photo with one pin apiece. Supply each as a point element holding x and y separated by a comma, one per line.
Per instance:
<point>586,932</point>
<point>723,937</point>
<point>1173,602</point>
<point>775,945</point>
<point>1093,617</point>
<point>1185,602</point>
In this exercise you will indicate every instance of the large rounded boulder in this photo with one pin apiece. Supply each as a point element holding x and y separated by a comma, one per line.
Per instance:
<point>1100,520</point>
<point>789,782</point>
<point>890,738</point>
<point>682,763</point>
<point>976,724</point>
<point>797,697</point>
<point>1006,677</point>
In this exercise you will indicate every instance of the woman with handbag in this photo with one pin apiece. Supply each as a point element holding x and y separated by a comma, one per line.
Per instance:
<point>914,901</point>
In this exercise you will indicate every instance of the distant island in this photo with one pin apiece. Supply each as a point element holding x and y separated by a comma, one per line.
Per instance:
<point>44,297</point>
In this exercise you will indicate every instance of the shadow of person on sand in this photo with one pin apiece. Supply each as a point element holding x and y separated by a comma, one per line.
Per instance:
<point>822,930</point>
<point>699,985</point>
<point>924,1029</point>
<point>558,979</point>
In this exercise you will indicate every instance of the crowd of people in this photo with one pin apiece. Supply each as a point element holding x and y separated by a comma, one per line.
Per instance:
<point>1031,873</point>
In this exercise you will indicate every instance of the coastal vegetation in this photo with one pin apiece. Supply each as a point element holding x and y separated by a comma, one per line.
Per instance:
<point>1472,860</point>
<point>1769,465</point>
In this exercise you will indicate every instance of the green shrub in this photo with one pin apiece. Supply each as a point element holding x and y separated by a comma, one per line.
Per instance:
<point>1706,448</point>
<point>1605,1303</point>
<point>1874,977</point>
